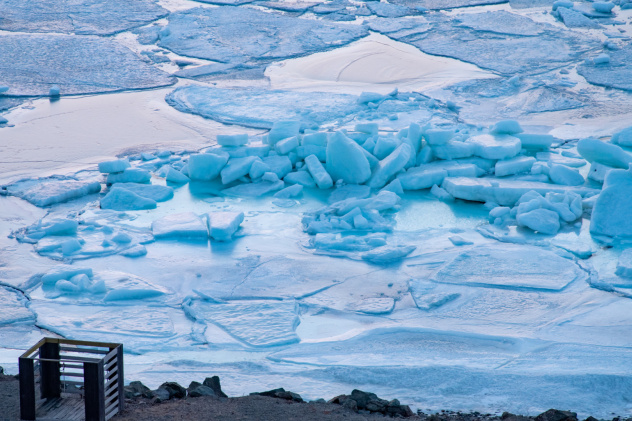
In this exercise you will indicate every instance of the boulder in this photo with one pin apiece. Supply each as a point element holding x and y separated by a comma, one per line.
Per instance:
<point>174,389</point>
<point>136,389</point>
<point>213,383</point>
<point>556,415</point>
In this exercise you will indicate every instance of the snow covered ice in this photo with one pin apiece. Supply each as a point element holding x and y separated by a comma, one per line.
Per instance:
<point>425,199</point>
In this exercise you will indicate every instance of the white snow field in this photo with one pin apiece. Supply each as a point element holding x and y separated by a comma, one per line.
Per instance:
<point>430,200</point>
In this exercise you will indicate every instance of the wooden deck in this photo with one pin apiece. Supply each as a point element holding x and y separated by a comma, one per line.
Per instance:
<point>69,407</point>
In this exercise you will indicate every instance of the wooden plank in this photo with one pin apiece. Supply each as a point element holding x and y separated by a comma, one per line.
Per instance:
<point>109,400</point>
<point>109,365</point>
<point>34,348</point>
<point>71,374</point>
<point>111,381</point>
<point>27,389</point>
<point>69,358</point>
<point>87,343</point>
<point>50,370</point>
<point>84,350</point>
<point>94,386</point>
<point>121,382</point>
<point>75,366</point>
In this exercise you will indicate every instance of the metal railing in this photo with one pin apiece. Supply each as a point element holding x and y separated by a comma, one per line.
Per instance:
<point>93,370</point>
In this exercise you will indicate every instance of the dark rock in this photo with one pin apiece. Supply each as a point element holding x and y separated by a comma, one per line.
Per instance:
<point>213,383</point>
<point>174,389</point>
<point>1,370</point>
<point>161,395</point>
<point>363,398</point>
<point>506,415</point>
<point>136,389</point>
<point>350,404</point>
<point>394,408</point>
<point>591,419</point>
<point>281,394</point>
<point>556,415</point>
<point>201,390</point>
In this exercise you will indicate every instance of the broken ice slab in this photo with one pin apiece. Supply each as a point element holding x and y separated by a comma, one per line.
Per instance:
<point>68,61</point>
<point>504,192</point>
<point>222,225</point>
<point>254,322</point>
<point>501,22</point>
<point>445,4</point>
<point>237,35</point>
<point>509,54</point>
<point>13,307</point>
<point>180,225</point>
<point>615,74</point>
<point>511,266</point>
<point>52,190</point>
<point>261,108</point>
<point>86,17</point>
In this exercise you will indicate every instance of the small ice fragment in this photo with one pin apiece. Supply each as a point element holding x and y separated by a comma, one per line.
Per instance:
<point>561,174</point>
<point>300,177</point>
<point>390,166</point>
<point>124,200</point>
<point>593,150</point>
<point>318,172</point>
<point>623,138</point>
<point>68,247</point>
<point>137,250</point>
<point>237,168</point>
<point>288,192</point>
<point>117,165</point>
<point>624,266</point>
<point>457,240</point>
<point>542,220</point>
<point>285,146</point>
<point>206,166</point>
<point>63,272</point>
<point>516,165</point>
<point>187,225</point>
<point>506,127</point>
<point>602,58</point>
<point>535,141</point>
<point>282,130</point>
<point>232,140</point>
<point>222,225</point>
<point>54,91</point>
<point>495,147</point>
<point>281,165</point>
<point>129,175</point>
<point>370,97</point>
<point>175,176</point>
<point>368,128</point>
<point>603,6</point>
<point>441,194</point>
<point>346,160</point>
<point>437,136</point>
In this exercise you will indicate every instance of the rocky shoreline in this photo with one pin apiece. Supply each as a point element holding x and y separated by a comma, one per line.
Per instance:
<point>199,401</point>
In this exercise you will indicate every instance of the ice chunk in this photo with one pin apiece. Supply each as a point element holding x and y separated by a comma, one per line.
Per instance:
<point>445,4</point>
<point>510,127</point>
<point>62,60</point>
<point>390,166</point>
<point>237,35</point>
<point>222,225</point>
<point>185,225</point>
<point>300,177</point>
<point>346,160</point>
<point>594,150</point>
<point>261,108</point>
<point>137,250</point>
<point>394,186</point>
<point>611,213</point>
<point>385,146</point>
<point>117,165</point>
<point>603,6</point>
<point>232,139</point>
<point>283,130</point>
<point>205,166</point>
<point>237,168</point>
<point>307,150</point>
<point>91,17</point>
<point>495,147</point>
<point>421,178</point>
<point>517,165</point>
<point>315,139</point>
<point>624,265</point>
<point>437,136</point>
<point>452,150</point>
<point>535,141</point>
<point>285,146</point>
<point>52,190</point>
<point>541,220</point>
<point>174,176</point>
<point>623,138</point>
<point>503,192</point>
<point>318,172</point>
<point>280,165</point>
<point>288,192</point>
<point>510,266</point>
<point>387,254</point>
<point>561,174</point>
<point>441,193</point>
<point>154,192</point>
<point>58,227</point>
<point>13,308</point>
<point>129,175</point>
<point>254,322</point>
<point>254,189</point>
<point>63,272</point>
<point>575,19</point>
<point>125,200</point>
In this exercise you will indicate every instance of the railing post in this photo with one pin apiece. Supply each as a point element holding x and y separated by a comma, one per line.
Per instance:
<point>93,378</point>
<point>121,377</point>
<point>27,388</point>
<point>50,370</point>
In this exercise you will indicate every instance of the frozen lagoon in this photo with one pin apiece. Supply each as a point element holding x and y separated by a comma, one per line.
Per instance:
<point>465,316</point>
